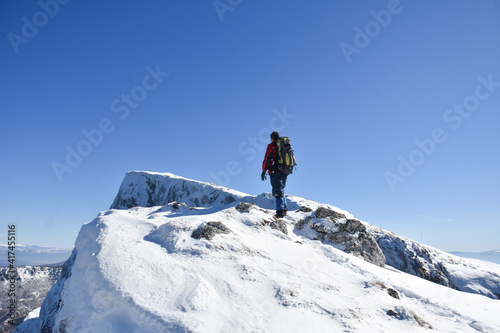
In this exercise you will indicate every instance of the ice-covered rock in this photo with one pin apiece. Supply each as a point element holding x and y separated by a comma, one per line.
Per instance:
<point>350,235</point>
<point>147,189</point>
<point>438,266</point>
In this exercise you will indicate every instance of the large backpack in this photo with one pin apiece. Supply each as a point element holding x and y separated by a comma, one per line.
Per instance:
<point>286,157</point>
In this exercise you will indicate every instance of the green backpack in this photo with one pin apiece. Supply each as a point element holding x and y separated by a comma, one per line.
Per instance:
<point>286,156</point>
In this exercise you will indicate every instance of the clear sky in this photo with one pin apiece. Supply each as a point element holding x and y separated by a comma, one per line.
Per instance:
<point>393,107</point>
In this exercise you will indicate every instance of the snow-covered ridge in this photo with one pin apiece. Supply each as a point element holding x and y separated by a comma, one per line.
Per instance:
<point>431,264</point>
<point>148,189</point>
<point>165,262</point>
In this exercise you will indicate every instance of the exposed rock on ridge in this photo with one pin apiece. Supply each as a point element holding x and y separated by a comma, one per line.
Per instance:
<point>434,265</point>
<point>146,189</point>
<point>350,234</point>
<point>209,230</point>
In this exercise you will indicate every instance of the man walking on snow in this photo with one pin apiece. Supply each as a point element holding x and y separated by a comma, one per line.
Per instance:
<point>278,179</point>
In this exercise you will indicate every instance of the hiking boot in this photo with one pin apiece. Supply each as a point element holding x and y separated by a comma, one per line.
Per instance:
<point>280,214</point>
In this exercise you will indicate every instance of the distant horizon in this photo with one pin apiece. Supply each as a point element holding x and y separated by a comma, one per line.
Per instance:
<point>70,249</point>
<point>46,247</point>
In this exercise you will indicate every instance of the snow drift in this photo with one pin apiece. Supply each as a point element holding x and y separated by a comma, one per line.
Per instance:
<point>177,255</point>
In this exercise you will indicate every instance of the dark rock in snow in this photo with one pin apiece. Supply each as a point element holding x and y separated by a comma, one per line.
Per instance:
<point>393,313</point>
<point>358,241</point>
<point>351,234</point>
<point>302,223</point>
<point>323,212</point>
<point>209,230</point>
<point>245,207</point>
<point>280,226</point>
<point>176,205</point>
<point>417,260</point>
<point>304,209</point>
<point>393,293</point>
<point>432,264</point>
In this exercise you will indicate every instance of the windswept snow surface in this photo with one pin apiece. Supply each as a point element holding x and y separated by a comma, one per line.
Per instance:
<point>139,270</point>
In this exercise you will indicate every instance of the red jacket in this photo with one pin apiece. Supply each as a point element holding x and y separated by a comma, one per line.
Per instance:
<point>270,158</point>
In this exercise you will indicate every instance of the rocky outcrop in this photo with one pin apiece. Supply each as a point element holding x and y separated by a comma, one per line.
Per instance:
<point>324,212</point>
<point>350,235</point>
<point>279,225</point>
<point>32,283</point>
<point>434,265</point>
<point>146,189</point>
<point>209,230</point>
<point>413,259</point>
<point>245,207</point>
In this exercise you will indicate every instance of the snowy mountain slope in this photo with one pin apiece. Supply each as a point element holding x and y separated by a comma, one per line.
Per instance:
<point>438,266</point>
<point>32,285</point>
<point>329,224</point>
<point>230,267</point>
<point>254,279</point>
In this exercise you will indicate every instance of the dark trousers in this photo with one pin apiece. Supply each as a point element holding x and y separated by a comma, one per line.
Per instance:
<point>278,182</point>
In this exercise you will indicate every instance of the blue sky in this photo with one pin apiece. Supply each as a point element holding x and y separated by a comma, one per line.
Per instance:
<point>393,107</point>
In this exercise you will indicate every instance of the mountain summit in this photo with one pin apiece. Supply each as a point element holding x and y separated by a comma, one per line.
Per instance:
<point>178,255</point>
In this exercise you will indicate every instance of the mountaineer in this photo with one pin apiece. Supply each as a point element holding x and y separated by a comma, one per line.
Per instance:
<point>279,162</point>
